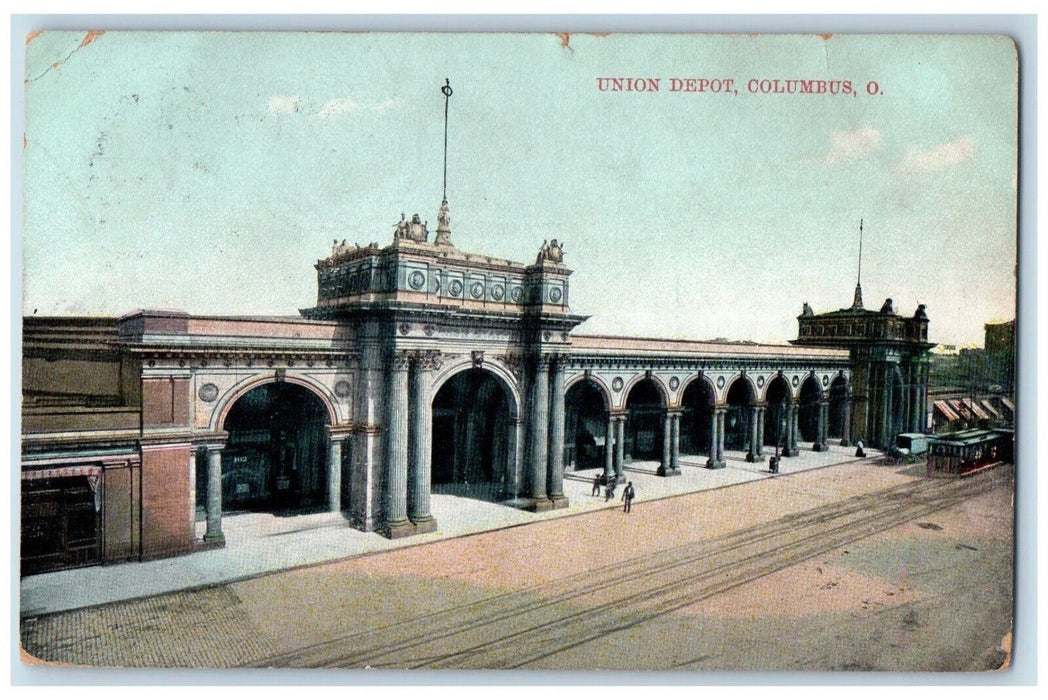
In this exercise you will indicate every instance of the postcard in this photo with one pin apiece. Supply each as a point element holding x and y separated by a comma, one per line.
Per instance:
<point>689,352</point>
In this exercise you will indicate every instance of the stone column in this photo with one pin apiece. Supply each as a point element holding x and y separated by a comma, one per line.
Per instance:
<point>846,436</point>
<point>675,443</point>
<point>720,436</point>
<point>789,449</point>
<point>711,462</point>
<point>609,448</point>
<point>334,474</point>
<point>620,447</point>
<point>420,444</point>
<point>538,429</point>
<point>752,455</point>
<point>664,463</point>
<point>760,431</point>
<point>397,409</point>
<point>556,438</point>
<point>820,428</point>
<point>795,431</point>
<point>214,495</point>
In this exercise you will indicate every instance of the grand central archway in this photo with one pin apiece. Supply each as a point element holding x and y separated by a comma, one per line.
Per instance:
<point>471,448</point>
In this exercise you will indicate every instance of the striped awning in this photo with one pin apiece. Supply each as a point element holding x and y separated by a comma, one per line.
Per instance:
<point>990,409</point>
<point>89,471</point>
<point>944,408</point>
<point>975,408</point>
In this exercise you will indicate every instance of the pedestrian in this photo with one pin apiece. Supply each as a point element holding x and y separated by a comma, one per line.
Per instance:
<point>627,497</point>
<point>609,492</point>
<point>596,484</point>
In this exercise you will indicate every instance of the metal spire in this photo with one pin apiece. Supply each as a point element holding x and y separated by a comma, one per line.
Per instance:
<point>447,95</point>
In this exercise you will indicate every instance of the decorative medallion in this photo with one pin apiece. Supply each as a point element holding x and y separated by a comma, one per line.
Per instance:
<point>455,288</point>
<point>476,290</point>
<point>516,294</point>
<point>674,383</point>
<point>208,392</point>
<point>546,335</point>
<point>555,295</point>
<point>429,329</point>
<point>720,382</point>
<point>617,383</point>
<point>416,279</point>
<point>342,388</point>
<point>796,380</point>
<point>825,380</point>
<point>497,292</point>
<point>564,335</point>
<point>404,328</point>
<point>436,285</point>
<point>760,381</point>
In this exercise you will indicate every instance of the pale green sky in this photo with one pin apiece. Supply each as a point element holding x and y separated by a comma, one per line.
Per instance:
<point>209,171</point>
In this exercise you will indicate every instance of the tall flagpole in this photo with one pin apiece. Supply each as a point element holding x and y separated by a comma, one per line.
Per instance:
<point>447,95</point>
<point>857,301</point>
<point>858,280</point>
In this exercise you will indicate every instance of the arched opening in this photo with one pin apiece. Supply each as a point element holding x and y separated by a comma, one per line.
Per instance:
<point>644,428</point>
<point>471,444</point>
<point>808,410</point>
<point>585,423</point>
<point>838,411</point>
<point>276,456</point>
<point>737,429</point>
<point>777,398</point>
<point>697,403</point>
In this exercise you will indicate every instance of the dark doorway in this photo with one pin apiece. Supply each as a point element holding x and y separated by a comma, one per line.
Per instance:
<point>276,456</point>
<point>777,398</point>
<point>471,437</point>
<point>644,427</point>
<point>808,410</point>
<point>838,407</point>
<point>585,426</point>
<point>737,428</point>
<point>697,402</point>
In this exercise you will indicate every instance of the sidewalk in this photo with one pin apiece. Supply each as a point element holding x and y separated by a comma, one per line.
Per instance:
<point>258,543</point>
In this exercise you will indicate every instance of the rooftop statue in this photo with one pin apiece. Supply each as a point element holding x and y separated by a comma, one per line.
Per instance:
<point>921,313</point>
<point>806,311</point>
<point>414,230</point>
<point>551,252</point>
<point>443,236</point>
<point>887,308</point>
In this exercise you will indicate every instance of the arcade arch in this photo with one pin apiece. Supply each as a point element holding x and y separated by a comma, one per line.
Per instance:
<point>585,421</point>
<point>778,398</point>
<point>275,458</point>
<point>838,410</point>
<point>738,426</point>
<point>697,404</point>
<point>808,410</point>
<point>646,410</point>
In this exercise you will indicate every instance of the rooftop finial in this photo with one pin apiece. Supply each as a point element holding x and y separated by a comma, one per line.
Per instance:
<point>857,301</point>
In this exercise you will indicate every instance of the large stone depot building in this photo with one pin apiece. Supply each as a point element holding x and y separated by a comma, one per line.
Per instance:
<point>421,369</point>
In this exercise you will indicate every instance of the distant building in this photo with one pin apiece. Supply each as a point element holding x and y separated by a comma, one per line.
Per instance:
<point>1000,337</point>
<point>889,361</point>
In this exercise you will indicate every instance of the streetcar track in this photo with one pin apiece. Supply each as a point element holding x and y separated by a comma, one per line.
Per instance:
<point>918,498</point>
<point>677,588</point>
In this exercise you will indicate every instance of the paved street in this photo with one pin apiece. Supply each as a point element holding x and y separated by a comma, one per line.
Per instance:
<point>858,566</point>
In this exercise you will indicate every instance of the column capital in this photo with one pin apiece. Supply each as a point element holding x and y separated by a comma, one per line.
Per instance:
<point>399,360</point>
<point>215,442</point>
<point>427,360</point>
